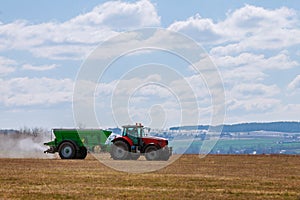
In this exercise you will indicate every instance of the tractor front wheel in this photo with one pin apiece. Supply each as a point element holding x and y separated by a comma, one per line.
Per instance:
<point>119,150</point>
<point>152,153</point>
<point>67,151</point>
<point>165,154</point>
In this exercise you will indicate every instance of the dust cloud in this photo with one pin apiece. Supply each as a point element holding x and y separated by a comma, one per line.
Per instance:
<point>16,145</point>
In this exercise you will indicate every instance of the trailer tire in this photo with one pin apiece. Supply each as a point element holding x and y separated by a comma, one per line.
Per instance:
<point>119,150</point>
<point>67,150</point>
<point>152,153</point>
<point>82,153</point>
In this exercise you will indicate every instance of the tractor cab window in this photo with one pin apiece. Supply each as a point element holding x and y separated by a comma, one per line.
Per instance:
<point>140,132</point>
<point>146,131</point>
<point>130,131</point>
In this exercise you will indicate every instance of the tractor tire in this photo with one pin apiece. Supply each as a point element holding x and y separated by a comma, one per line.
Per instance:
<point>152,153</point>
<point>164,155</point>
<point>67,151</point>
<point>82,153</point>
<point>135,156</point>
<point>119,150</point>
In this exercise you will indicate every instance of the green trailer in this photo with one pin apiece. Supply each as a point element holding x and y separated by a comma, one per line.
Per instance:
<point>75,143</point>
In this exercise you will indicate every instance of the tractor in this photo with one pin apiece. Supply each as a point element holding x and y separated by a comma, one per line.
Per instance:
<point>135,142</point>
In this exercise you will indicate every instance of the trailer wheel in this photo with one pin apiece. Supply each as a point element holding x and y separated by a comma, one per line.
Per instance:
<point>82,153</point>
<point>152,153</point>
<point>67,150</point>
<point>119,150</point>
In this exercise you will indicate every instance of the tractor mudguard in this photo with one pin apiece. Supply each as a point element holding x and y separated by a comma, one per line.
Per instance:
<point>151,144</point>
<point>125,139</point>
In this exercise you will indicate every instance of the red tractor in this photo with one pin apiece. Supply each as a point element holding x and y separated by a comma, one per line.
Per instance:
<point>134,142</point>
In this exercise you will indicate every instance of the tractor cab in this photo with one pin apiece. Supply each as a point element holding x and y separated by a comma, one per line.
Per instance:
<point>135,133</point>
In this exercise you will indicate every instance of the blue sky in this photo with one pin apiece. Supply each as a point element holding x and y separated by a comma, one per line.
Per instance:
<point>255,45</point>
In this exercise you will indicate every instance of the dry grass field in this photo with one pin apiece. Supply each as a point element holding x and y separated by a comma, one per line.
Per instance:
<point>213,177</point>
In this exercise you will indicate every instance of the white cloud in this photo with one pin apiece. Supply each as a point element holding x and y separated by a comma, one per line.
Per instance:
<point>75,38</point>
<point>295,84</point>
<point>39,68</point>
<point>259,62</point>
<point>248,91</point>
<point>253,105</point>
<point>240,48</point>
<point>52,39</point>
<point>252,98</point>
<point>135,97</point>
<point>247,28</point>
<point>7,61</point>
<point>251,18</point>
<point>6,66</point>
<point>62,52</point>
<point>5,70</point>
<point>279,112</point>
<point>242,75</point>
<point>35,91</point>
<point>121,15</point>
<point>146,41</point>
<point>251,68</point>
<point>200,29</point>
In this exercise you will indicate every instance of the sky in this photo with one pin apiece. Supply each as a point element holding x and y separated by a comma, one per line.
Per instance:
<point>44,44</point>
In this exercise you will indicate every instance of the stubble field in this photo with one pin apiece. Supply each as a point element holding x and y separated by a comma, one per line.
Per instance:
<point>213,177</point>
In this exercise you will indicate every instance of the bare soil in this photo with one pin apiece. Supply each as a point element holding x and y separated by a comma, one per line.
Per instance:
<point>212,177</point>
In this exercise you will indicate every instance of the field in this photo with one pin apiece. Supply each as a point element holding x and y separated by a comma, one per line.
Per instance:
<point>261,145</point>
<point>213,177</point>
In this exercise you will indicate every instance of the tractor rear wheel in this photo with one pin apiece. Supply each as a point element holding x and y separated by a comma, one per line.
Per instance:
<point>82,153</point>
<point>152,153</point>
<point>135,156</point>
<point>67,150</point>
<point>119,150</point>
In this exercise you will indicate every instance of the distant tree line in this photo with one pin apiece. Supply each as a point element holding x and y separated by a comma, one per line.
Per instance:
<point>25,132</point>
<point>288,127</point>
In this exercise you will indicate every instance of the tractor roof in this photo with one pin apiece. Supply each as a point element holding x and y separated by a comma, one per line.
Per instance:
<point>133,126</point>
